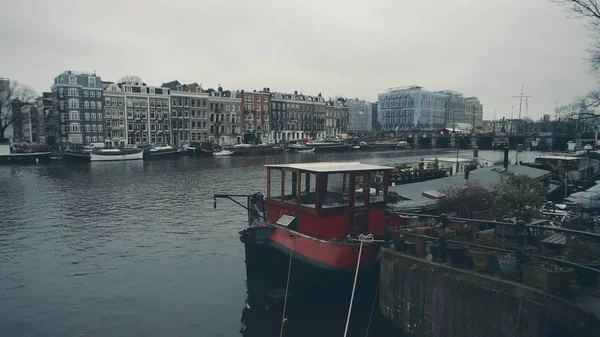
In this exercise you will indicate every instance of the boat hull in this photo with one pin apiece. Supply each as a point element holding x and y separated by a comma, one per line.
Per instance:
<point>25,158</point>
<point>319,268</point>
<point>160,154</point>
<point>94,156</point>
<point>76,157</point>
<point>267,150</point>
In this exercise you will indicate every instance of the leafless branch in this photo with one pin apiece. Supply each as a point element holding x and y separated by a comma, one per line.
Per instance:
<point>12,94</point>
<point>131,79</point>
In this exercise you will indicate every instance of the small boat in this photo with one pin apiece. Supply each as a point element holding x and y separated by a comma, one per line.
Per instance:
<point>306,151</point>
<point>320,212</point>
<point>250,149</point>
<point>222,153</point>
<point>162,151</point>
<point>116,154</point>
<point>204,149</point>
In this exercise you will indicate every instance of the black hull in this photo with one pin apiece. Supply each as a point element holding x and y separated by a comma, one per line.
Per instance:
<point>161,154</point>
<point>199,153</point>
<point>25,158</point>
<point>76,158</point>
<point>309,279</point>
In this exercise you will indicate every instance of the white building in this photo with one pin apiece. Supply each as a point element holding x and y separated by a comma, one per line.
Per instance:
<point>409,107</point>
<point>360,116</point>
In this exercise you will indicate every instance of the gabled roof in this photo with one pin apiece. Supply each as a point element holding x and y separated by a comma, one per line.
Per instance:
<point>193,87</point>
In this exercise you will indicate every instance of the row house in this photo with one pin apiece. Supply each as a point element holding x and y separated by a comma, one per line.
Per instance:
<point>198,115</point>
<point>136,113</point>
<point>297,116</point>
<point>43,106</point>
<point>254,123</point>
<point>77,109</point>
<point>336,118</point>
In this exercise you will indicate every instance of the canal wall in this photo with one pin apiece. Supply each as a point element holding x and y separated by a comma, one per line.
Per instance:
<point>428,299</point>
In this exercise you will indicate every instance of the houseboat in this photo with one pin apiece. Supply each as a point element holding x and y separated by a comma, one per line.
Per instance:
<point>24,156</point>
<point>316,215</point>
<point>384,145</point>
<point>73,156</point>
<point>578,169</point>
<point>116,154</point>
<point>321,146</point>
<point>202,150</point>
<point>161,151</point>
<point>250,149</point>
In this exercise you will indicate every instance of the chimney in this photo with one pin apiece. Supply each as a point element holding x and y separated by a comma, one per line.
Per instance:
<point>295,92</point>
<point>506,158</point>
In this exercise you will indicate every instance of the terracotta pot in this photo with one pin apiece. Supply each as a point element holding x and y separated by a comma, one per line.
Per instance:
<point>420,246</point>
<point>483,260</point>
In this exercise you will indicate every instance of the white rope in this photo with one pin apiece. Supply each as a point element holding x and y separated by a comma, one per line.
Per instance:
<point>287,286</point>
<point>362,238</point>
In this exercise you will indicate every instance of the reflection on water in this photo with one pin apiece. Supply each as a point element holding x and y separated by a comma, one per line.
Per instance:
<point>136,249</point>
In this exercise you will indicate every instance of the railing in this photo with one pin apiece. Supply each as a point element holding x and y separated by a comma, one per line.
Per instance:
<point>399,223</point>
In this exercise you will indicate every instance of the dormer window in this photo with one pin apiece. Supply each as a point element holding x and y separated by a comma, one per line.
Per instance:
<point>91,82</point>
<point>72,79</point>
<point>178,88</point>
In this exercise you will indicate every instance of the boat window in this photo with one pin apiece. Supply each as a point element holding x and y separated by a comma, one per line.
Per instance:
<point>309,190</point>
<point>291,187</point>
<point>336,194</point>
<point>359,191</point>
<point>377,186</point>
<point>275,184</point>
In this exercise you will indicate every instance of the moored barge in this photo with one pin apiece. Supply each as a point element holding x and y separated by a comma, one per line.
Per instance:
<point>317,215</point>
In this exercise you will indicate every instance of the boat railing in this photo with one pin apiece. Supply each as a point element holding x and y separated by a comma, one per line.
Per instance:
<point>255,204</point>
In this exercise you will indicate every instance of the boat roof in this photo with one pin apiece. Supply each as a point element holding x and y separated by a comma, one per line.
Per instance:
<point>558,157</point>
<point>332,167</point>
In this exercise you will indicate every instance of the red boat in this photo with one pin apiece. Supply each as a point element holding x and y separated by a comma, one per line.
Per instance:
<point>316,213</point>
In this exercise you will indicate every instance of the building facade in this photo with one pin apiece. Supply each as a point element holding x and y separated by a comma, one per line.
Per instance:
<point>136,114</point>
<point>255,116</point>
<point>224,117</point>
<point>412,107</point>
<point>360,116</point>
<point>297,116</point>
<point>77,109</point>
<point>43,108</point>
<point>336,117</point>
<point>26,123</point>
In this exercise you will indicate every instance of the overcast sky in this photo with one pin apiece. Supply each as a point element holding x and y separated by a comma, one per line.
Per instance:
<point>344,47</point>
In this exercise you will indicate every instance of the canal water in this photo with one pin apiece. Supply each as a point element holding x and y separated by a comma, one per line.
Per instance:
<point>136,248</point>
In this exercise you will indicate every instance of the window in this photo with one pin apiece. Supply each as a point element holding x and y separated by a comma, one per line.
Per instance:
<point>193,113</point>
<point>86,116</point>
<point>129,113</point>
<point>91,82</point>
<point>308,191</point>
<point>61,105</point>
<point>152,127</point>
<point>88,139</point>
<point>336,194</point>
<point>151,114</point>
<point>94,139</point>
<point>72,79</point>
<point>87,128</point>
<point>130,126</point>
<point>86,104</point>
<point>174,102</point>
<point>93,104</point>
<point>360,189</point>
<point>204,103</point>
<point>144,103</point>
<point>290,187</point>
<point>74,115</point>
<point>100,128</point>
<point>93,116</point>
<point>120,101</point>
<point>94,129</point>
<point>98,105</point>
<point>86,93</point>
<point>101,139</point>
<point>275,184</point>
<point>74,127</point>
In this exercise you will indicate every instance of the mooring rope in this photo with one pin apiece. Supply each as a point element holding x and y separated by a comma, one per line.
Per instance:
<point>363,239</point>
<point>372,309</point>
<point>287,286</point>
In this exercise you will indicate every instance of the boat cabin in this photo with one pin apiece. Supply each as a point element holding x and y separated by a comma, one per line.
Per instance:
<point>328,200</point>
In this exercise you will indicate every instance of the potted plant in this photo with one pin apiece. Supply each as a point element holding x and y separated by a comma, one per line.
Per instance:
<point>399,243</point>
<point>435,249</point>
<point>410,247</point>
<point>420,246</point>
<point>587,254</point>
<point>457,254</point>
<point>547,276</point>
<point>507,263</point>
<point>483,259</point>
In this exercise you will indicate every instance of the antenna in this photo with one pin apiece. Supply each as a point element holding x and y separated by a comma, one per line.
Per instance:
<point>521,100</point>
<point>556,111</point>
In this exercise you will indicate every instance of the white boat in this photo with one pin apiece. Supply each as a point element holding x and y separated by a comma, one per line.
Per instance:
<point>223,153</point>
<point>116,154</point>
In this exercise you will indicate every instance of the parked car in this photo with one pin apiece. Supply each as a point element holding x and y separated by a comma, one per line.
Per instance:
<point>586,201</point>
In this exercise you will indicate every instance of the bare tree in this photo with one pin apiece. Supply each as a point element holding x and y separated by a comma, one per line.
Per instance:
<point>589,11</point>
<point>12,94</point>
<point>131,79</point>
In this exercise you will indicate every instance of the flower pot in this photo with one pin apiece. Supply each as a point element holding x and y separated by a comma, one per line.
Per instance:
<point>410,247</point>
<point>436,250</point>
<point>420,246</point>
<point>548,277</point>
<point>457,254</point>
<point>507,264</point>
<point>483,260</point>
<point>399,244</point>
